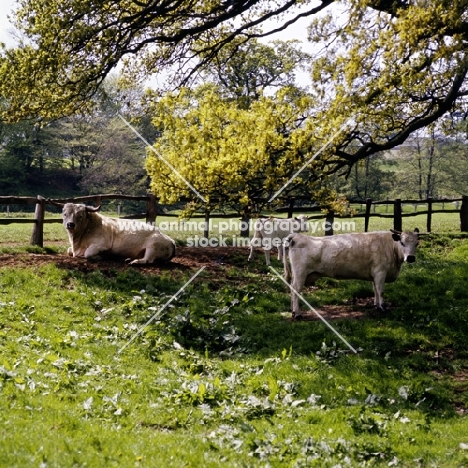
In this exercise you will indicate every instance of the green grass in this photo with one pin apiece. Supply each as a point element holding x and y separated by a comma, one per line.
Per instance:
<point>222,378</point>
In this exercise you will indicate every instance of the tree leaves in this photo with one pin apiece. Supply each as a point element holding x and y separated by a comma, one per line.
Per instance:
<point>230,154</point>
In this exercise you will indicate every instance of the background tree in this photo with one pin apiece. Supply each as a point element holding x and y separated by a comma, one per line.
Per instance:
<point>371,178</point>
<point>394,66</point>
<point>118,165</point>
<point>420,172</point>
<point>431,165</point>
<point>50,157</point>
<point>244,71</point>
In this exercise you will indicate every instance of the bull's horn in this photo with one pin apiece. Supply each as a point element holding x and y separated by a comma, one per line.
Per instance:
<point>93,209</point>
<point>395,232</point>
<point>53,202</point>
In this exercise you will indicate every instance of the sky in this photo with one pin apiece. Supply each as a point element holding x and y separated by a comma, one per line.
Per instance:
<point>5,26</point>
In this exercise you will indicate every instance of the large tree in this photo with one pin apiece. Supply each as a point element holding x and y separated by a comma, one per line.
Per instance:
<point>394,66</point>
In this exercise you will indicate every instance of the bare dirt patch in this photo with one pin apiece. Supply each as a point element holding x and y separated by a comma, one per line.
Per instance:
<point>357,309</point>
<point>216,260</point>
<point>186,258</point>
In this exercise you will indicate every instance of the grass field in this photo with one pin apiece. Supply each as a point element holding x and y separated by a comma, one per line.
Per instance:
<point>222,376</point>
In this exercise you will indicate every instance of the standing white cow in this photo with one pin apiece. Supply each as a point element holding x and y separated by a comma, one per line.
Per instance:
<point>92,234</point>
<point>270,232</point>
<point>371,256</point>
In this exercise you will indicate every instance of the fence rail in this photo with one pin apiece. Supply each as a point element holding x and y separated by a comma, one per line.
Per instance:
<point>37,236</point>
<point>40,203</point>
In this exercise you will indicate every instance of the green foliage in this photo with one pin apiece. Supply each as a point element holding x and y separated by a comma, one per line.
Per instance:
<point>396,70</point>
<point>73,46</point>
<point>92,152</point>
<point>221,378</point>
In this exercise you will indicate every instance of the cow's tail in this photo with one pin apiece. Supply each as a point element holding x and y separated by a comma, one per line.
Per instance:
<point>288,242</point>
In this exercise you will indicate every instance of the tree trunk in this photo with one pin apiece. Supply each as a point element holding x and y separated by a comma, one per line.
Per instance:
<point>245,221</point>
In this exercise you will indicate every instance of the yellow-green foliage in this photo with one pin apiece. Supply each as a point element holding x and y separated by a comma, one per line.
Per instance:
<point>387,71</point>
<point>226,152</point>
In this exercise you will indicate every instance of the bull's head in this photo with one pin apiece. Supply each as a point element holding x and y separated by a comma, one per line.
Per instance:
<point>409,242</point>
<point>74,216</point>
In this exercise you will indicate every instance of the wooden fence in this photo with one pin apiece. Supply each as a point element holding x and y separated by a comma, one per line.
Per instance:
<point>398,214</point>
<point>369,206</point>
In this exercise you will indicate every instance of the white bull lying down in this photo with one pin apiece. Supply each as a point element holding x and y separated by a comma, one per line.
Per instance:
<point>270,232</point>
<point>92,234</point>
<point>371,256</point>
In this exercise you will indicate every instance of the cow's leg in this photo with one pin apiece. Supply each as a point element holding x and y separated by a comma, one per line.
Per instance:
<point>251,253</point>
<point>92,253</point>
<point>297,285</point>
<point>152,253</point>
<point>145,256</point>
<point>286,268</point>
<point>267,256</point>
<point>138,261</point>
<point>253,242</point>
<point>295,309</point>
<point>379,287</point>
<point>280,252</point>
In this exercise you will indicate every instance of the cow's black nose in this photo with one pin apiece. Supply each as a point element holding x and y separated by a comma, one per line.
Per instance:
<point>70,225</point>
<point>410,258</point>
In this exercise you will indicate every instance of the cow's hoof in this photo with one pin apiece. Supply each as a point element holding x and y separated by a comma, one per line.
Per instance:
<point>380,309</point>
<point>296,316</point>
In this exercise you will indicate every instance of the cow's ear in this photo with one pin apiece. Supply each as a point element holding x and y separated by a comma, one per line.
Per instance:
<point>416,230</point>
<point>396,235</point>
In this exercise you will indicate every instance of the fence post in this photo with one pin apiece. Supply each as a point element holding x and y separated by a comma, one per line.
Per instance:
<point>397,210</point>
<point>464,214</point>
<point>206,225</point>
<point>429,214</point>
<point>37,237</point>
<point>329,223</point>
<point>367,215</point>
<point>151,208</point>
<point>291,207</point>
<point>245,225</point>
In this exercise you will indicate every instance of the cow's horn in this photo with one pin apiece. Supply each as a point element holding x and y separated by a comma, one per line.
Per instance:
<point>93,209</point>
<point>53,202</point>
